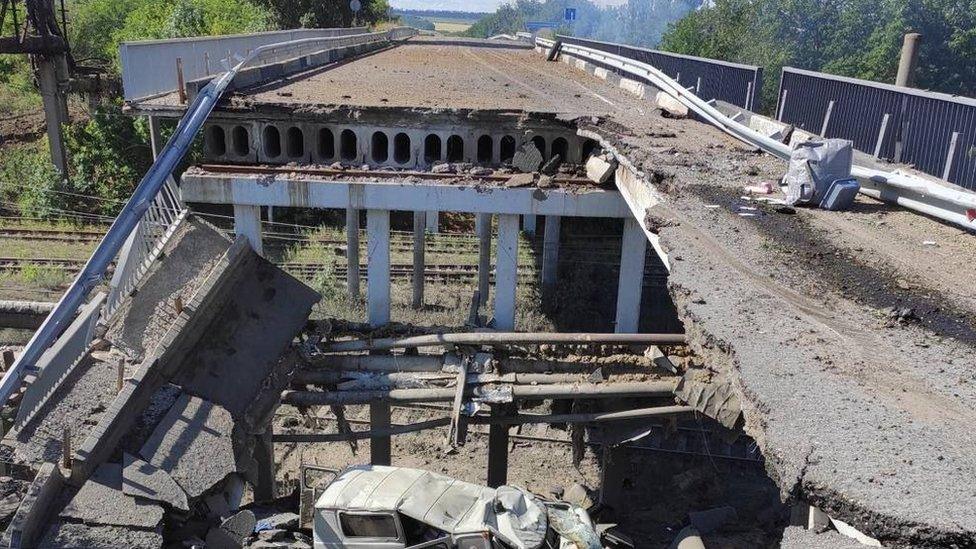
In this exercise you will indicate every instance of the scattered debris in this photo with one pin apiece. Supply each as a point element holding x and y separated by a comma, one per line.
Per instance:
<point>599,170</point>
<point>521,180</point>
<point>527,158</point>
<point>551,167</point>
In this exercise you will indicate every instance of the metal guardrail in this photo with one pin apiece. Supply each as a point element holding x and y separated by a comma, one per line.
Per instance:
<point>149,67</point>
<point>950,204</point>
<point>734,83</point>
<point>146,243</point>
<point>58,361</point>
<point>934,132</point>
<point>149,217</point>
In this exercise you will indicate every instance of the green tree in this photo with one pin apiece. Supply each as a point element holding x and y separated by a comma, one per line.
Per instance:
<point>290,14</point>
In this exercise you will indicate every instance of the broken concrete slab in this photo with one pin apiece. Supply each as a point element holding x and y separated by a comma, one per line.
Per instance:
<point>101,502</point>
<point>551,167</point>
<point>797,537</point>
<point>35,509</point>
<point>232,532</point>
<point>70,535</point>
<point>527,158</point>
<point>238,358</point>
<point>599,170</point>
<point>193,444</point>
<point>146,481</point>
<point>521,180</point>
<point>141,320</point>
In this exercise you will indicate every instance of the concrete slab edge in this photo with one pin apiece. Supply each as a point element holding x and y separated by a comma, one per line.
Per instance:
<point>160,365</point>
<point>38,506</point>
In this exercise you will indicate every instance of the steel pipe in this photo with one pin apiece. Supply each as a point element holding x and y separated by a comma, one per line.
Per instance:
<point>505,338</point>
<point>599,417</point>
<point>360,435</point>
<point>519,392</point>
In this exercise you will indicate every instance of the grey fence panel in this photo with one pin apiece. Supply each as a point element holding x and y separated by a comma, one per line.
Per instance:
<point>740,85</point>
<point>934,132</point>
<point>149,66</point>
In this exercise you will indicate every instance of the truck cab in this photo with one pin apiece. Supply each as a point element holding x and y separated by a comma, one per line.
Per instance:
<point>376,507</point>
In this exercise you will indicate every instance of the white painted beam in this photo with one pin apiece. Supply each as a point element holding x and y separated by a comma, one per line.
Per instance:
<point>419,242</point>
<point>550,250</point>
<point>506,272</point>
<point>433,221</point>
<point>352,253</point>
<point>632,249</point>
<point>247,223</point>
<point>483,228</point>
<point>378,266</point>
<point>390,195</point>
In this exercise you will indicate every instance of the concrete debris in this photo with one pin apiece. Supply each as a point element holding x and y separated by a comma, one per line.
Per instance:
<point>481,171</point>
<point>101,502</point>
<point>715,399</point>
<point>280,521</point>
<point>551,167</point>
<point>797,537</point>
<point>144,480</point>
<point>12,491</point>
<point>712,520</point>
<point>546,182</point>
<point>578,495</point>
<point>232,532</point>
<point>599,170</point>
<point>442,168</point>
<point>194,444</point>
<point>521,180</point>
<point>527,158</point>
<point>71,535</point>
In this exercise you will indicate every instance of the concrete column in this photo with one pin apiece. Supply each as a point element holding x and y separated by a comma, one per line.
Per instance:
<point>155,136</point>
<point>419,231</point>
<point>378,266</point>
<point>528,224</point>
<point>55,110</point>
<point>550,253</point>
<point>483,228</point>
<point>380,448</point>
<point>247,223</point>
<point>632,250</point>
<point>506,271</point>
<point>908,61</point>
<point>264,455</point>
<point>352,253</point>
<point>433,220</point>
<point>497,452</point>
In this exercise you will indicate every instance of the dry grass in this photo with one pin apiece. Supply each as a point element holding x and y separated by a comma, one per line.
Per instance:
<point>449,26</point>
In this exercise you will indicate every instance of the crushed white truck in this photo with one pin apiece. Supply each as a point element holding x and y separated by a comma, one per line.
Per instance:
<point>375,507</point>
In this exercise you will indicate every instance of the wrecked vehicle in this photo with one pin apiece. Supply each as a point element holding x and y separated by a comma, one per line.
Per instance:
<point>396,507</point>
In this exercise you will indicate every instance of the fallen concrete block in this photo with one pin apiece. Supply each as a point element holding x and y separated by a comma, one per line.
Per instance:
<point>599,170</point>
<point>193,444</point>
<point>551,167</point>
<point>670,105</point>
<point>146,481</point>
<point>521,180</point>
<point>101,502</point>
<point>279,521</point>
<point>71,535</point>
<point>31,517</point>
<point>527,158</point>
<point>232,532</point>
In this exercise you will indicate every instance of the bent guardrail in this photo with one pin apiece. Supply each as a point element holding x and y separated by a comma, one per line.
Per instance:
<point>950,204</point>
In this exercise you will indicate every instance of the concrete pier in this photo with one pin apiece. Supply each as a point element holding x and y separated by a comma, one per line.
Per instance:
<point>506,271</point>
<point>630,284</point>
<point>247,223</point>
<point>378,266</point>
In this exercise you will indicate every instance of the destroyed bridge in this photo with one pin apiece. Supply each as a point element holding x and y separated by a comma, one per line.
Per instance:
<point>829,353</point>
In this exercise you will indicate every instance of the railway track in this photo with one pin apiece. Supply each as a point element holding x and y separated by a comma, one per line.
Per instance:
<point>50,235</point>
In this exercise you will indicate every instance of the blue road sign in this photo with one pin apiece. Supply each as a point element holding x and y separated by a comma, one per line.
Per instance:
<point>571,14</point>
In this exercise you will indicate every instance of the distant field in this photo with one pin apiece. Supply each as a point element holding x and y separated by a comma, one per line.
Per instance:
<point>450,25</point>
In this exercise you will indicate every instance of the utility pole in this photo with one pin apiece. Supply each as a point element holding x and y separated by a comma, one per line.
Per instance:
<point>40,37</point>
<point>909,60</point>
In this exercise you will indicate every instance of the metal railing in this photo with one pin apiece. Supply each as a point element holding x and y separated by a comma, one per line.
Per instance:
<point>950,204</point>
<point>934,132</point>
<point>149,67</point>
<point>740,85</point>
<point>144,224</point>
<point>146,242</point>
